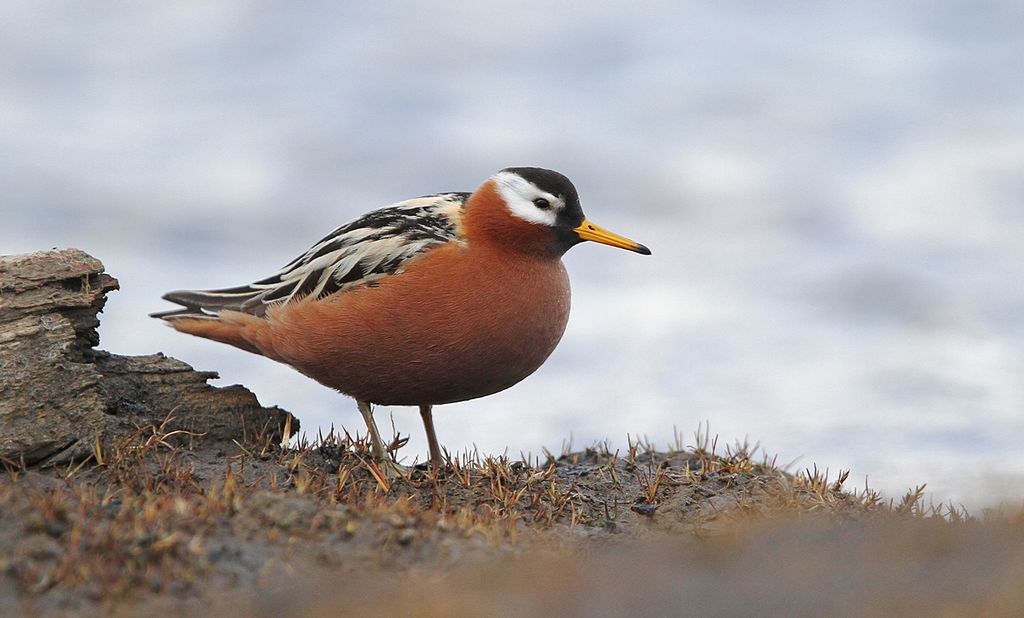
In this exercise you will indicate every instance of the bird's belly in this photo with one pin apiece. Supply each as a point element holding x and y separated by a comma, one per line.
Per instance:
<point>417,341</point>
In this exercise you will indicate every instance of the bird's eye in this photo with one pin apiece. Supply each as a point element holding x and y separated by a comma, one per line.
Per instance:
<point>542,203</point>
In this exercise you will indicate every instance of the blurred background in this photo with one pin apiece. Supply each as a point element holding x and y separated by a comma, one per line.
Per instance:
<point>834,194</point>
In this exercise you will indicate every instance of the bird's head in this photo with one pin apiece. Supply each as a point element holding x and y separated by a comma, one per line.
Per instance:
<point>546,198</point>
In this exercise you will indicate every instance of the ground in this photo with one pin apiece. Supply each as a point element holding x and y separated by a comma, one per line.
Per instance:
<point>166,521</point>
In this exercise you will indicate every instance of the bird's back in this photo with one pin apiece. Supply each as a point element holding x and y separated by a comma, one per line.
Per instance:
<point>373,246</point>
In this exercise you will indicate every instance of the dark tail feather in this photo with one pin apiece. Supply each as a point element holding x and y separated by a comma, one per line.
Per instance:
<point>206,304</point>
<point>181,312</point>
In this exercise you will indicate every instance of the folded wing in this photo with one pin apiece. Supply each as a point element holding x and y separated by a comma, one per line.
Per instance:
<point>373,246</point>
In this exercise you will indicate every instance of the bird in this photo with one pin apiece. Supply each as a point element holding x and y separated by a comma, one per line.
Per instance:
<point>433,300</point>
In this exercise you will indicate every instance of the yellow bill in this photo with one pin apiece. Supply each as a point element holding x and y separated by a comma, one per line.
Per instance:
<point>596,233</point>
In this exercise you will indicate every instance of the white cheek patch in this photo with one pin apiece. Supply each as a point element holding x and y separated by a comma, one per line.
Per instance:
<point>519,194</point>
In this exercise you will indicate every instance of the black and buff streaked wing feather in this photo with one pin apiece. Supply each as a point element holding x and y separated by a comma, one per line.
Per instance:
<point>373,246</point>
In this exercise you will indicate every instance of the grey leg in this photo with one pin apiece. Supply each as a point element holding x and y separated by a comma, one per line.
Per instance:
<point>435,448</point>
<point>380,452</point>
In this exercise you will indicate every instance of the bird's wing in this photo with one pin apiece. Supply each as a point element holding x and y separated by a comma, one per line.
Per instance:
<point>373,246</point>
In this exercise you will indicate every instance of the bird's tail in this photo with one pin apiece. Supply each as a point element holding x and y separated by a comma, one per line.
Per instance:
<point>220,315</point>
<point>207,304</point>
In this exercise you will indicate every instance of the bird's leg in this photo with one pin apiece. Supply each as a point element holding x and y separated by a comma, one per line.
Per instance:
<point>428,424</point>
<point>380,453</point>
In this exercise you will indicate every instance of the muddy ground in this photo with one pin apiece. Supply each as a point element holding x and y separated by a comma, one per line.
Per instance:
<point>164,521</point>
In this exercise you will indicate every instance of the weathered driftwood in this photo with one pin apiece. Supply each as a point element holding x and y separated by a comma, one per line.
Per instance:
<point>58,394</point>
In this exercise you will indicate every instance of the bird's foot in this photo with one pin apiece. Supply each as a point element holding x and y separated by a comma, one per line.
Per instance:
<point>391,470</point>
<point>429,468</point>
